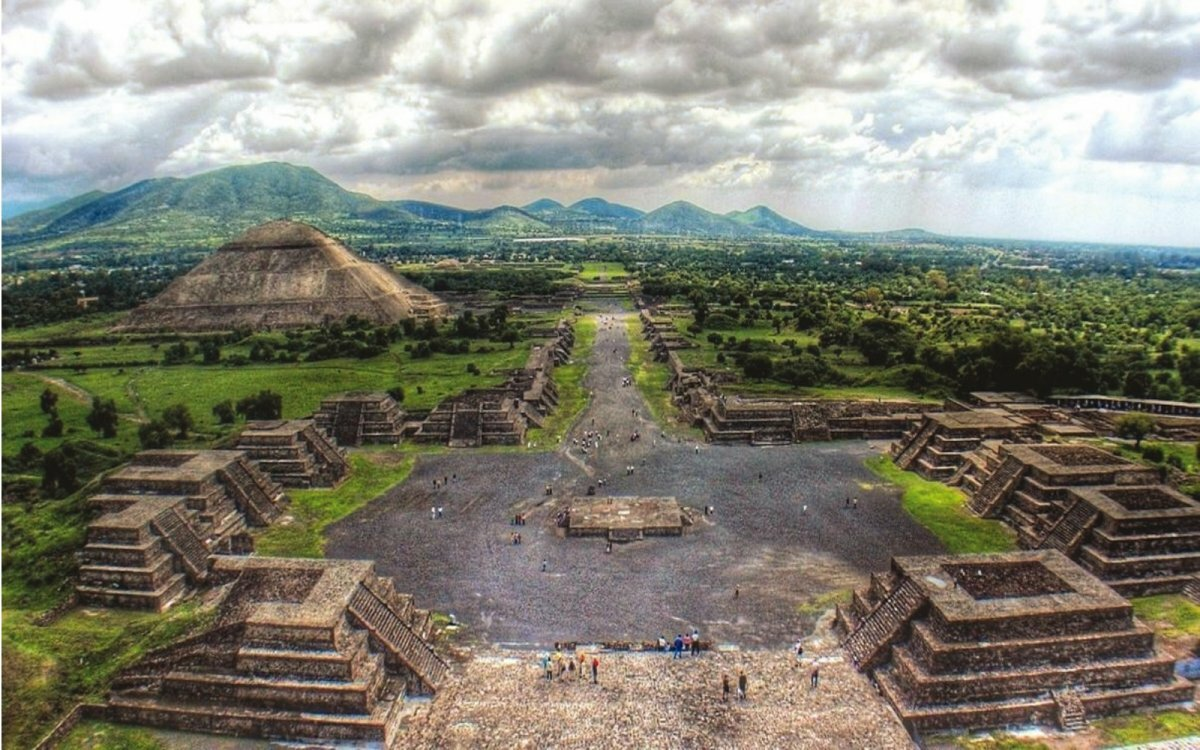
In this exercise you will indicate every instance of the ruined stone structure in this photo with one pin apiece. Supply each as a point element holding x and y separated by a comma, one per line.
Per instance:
<point>302,650</point>
<point>282,274</point>
<point>1112,516</point>
<point>766,421</point>
<point>966,641</point>
<point>359,418</point>
<point>625,519</point>
<point>501,415</point>
<point>664,338</point>
<point>295,453</point>
<point>937,446</point>
<point>162,516</point>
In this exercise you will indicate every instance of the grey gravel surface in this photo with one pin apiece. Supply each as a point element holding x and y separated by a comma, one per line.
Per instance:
<point>761,542</point>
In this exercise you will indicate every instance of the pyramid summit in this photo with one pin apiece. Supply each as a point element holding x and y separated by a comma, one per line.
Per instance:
<point>282,274</point>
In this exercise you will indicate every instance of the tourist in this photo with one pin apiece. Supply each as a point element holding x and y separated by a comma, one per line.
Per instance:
<point>546,665</point>
<point>433,513</point>
<point>803,510</point>
<point>725,687</point>
<point>847,501</point>
<point>695,642</point>
<point>662,643</point>
<point>855,506</point>
<point>741,684</point>
<point>545,563</point>
<point>814,678</point>
<point>582,664</point>
<point>595,669</point>
<point>677,646</point>
<point>799,651</point>
<point>687,642</point>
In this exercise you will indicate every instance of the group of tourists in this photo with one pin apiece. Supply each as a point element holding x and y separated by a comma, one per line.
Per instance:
<point>563,666</point>
<point>742,683</point>
<point>684,642</point>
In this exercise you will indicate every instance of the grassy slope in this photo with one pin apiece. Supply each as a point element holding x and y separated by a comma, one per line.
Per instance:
<point>941,510</point>
<point>651,379</point>
<point>49,669</point>
<point>372,474</point>
<point>572,395</point>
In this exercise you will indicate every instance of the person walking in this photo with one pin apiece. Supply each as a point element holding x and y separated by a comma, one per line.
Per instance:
<point>815,678</point>
<point>677,646</point>
<point>545,563</point>
<point>595,670</point>
<point>695,642</point>
<point>725,687</point>
<point>742,684</point>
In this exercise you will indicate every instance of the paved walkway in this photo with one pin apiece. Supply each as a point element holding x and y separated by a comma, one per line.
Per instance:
<point>762,543</point>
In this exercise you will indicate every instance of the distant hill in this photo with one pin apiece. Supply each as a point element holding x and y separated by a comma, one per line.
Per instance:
<point>201,212</point>
<point>766,220</point>
<point>604,209</point>
<point>686,218</point>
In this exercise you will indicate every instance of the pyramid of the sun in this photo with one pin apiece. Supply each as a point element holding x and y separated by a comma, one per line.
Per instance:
<point>282,274</point>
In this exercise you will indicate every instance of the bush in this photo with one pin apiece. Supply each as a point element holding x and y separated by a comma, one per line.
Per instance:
<point>1153,453</point>
<point>224,412</point>
<point>263,405</point>
<point>758,366</point>
<point>397,393</point>
<point>154,435</point>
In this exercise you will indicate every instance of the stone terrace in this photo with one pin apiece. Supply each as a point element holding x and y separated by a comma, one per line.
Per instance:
<point>622,519</point>
<point>1110,515</point>
<point>937,447</point>
<point>316,650</point>
<point>1008,639</point>
<point>646,700</point>
<point>295,453</point>
<point>359,418</point>
<point>162,515</point>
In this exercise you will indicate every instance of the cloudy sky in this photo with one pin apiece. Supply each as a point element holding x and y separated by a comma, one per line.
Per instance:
<point>1077,119</point>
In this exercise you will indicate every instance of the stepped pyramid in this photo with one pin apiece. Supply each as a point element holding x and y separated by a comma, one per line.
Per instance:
<point>320,652</point>
<point>282,274</point>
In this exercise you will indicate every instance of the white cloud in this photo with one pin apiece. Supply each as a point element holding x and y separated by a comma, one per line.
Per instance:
<point>933,108</point>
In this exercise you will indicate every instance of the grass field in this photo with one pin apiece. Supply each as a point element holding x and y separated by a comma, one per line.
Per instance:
<point>1174,616</point>
<point>49,669</point>
<point>572,396</point>
<point>602,271</point>
<point>301,534</point>
<point>941,510</point>
<point>651,379</point>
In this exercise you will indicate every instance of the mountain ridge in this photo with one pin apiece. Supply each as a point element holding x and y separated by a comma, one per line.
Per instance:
<point>197,211</point>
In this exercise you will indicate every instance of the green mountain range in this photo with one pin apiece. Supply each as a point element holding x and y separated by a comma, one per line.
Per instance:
<point>201,212</point>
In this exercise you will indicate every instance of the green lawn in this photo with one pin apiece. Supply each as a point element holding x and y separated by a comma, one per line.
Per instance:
<point>651,378</point>
<point>302,535</point>
<point>88,326</point>
<point>942,510</point>
<point>1174,615</point>
<point>49,669</point>
<point>603,271</point>
<point>99,735</point>
<point>572,395</point>
<point>1137,729</point>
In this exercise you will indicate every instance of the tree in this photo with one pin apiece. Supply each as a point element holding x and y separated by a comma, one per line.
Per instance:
<point>154,434</point>
<point>758,365</point>
<point>29,456</point>
<point>1137,384</point>
<point>49,402</point>
<point>224,412</point>
<point>1189,368</point>
<point>397,393</point>
<point>177,353</point>
<point>263,405</point>
<point>54,428</point>
<point>179,418</point>
<point>210,350</point>
<point>103,417</point>
<point>1135,426</point>
<point>59,471</point>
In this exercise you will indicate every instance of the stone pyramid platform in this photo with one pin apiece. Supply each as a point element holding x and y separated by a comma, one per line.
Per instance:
<point>295,453</point>
<point>162,516</point>
<point>311,651</point>
<point>282,274</point>
<point>966,641</point>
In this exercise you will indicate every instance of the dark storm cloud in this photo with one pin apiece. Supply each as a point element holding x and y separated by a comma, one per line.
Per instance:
<point>376,34</point>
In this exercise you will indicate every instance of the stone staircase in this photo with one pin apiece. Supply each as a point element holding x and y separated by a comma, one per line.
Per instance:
<point>908,454</point>
<point>179,537</point>
<point>1191,589</point>
<point>1069,710</point>
<point>256,494</point>
<point>1071,529</point>
<point>868,645</point>
<point>398,637</point>
<point>988,500</point>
